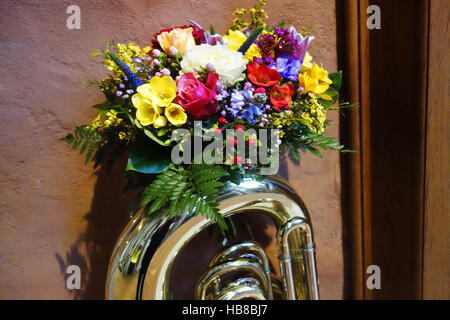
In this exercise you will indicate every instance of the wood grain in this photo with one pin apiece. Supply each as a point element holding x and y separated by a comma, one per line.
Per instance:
<point>356,172</point>
<point>436,256</point>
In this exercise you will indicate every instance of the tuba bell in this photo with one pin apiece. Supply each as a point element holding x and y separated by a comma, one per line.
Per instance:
<point>267,253</point>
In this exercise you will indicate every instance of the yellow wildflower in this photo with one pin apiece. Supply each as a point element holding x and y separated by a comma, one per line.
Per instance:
<point>175,114</point>
<point>146,49</point>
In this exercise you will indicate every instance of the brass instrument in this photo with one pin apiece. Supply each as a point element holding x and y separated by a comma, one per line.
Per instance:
<point>148,261</point>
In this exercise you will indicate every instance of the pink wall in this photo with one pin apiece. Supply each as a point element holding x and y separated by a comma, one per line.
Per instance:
<point>53,210</point>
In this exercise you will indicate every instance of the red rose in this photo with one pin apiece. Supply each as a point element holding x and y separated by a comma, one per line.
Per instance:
<point>196,33</point>
<point>280,96</point>
<point>198,99</point>
<point>262,75</point>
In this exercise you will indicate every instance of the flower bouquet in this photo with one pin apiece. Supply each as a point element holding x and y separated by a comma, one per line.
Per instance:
<point>194,110</point>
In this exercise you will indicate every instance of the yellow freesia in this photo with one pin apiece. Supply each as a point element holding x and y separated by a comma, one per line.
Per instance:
<point>306,65</point>
<point>175,114</point>
<point>236,38</point>
<point>160,122</point>
<point>146,111</point>
<point>182,39</point>
<point>315,80</point>
<point>161,90</point>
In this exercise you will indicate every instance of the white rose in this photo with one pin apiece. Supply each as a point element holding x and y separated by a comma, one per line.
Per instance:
<point>229,65</point>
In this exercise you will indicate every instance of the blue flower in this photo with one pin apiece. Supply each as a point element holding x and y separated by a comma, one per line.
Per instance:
<point>252,112</point>
<point>289,68</point>
<point>244,106</point>
<point>129,75</point>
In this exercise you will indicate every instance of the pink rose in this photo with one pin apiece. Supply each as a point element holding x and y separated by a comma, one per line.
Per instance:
<point>196,98</point>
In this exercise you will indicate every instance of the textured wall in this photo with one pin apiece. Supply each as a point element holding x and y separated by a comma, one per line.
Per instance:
<point>53,210</point>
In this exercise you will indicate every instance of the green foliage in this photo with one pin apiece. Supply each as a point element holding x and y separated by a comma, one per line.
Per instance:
<point>86,138</point>
<point>195,190</point>
<point>336,77</point>
<point>313,143</point>
<point>333,90</point>
<point>96,147</point>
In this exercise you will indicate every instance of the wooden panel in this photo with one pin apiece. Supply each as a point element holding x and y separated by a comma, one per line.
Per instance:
<point>354,60</point>
<point>436,277</point>
<point>397,131</point>
<point>386,71</point>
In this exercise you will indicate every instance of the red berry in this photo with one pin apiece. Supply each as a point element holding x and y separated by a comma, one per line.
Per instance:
<point>222,121</point>
<point>238,127</point>
<point>251,142</point>
<point>260,90</point>
<point>218,130</point>
<point>237,160</point>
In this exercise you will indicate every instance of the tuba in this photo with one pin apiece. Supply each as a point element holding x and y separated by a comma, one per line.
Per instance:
<point>267,253</point>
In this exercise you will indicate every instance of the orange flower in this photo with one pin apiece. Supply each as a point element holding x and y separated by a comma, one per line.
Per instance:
<point>262,75</point>
<point>281,96</point>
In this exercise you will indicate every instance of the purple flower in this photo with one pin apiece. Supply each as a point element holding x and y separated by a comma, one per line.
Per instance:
<point>303,43</point>
<point>287,67</point>
<point>283,41</point>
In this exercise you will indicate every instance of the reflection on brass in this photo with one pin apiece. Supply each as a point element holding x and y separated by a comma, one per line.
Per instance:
<point>143,257</point>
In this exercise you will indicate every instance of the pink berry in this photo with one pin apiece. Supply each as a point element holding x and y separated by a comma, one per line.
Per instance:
<point>156,52</point>
<point>210,67</point>
<point>165,72</point>
<point>232,141</point>
<point>172,50</point>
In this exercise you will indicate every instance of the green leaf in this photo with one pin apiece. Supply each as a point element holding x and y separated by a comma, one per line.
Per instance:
<point>148,157</point>
<point>295,154</point>
<point>334,97</point>
<point>195,191</point>
<point>155,138</point>
<point>336,77</point>
<point>68,138</point>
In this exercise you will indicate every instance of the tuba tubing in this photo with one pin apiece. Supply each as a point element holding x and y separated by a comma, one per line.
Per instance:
<point>142,259</point>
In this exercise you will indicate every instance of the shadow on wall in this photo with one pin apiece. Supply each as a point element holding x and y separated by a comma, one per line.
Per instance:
<point>106,220</point>
<point>104,223</point>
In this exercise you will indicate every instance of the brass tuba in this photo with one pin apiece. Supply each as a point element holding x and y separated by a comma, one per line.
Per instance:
<point>268,252</point>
